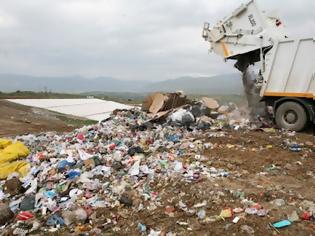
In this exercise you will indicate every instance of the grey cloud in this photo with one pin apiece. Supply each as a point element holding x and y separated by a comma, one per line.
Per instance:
<point>122,38</point>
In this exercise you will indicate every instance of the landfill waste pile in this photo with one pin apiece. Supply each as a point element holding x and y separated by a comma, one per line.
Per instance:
<point>195,170</point>
<point>177,109</point>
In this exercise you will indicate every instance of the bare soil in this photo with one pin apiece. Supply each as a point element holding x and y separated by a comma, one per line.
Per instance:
<point>260,165</point>
<point>17,119</point>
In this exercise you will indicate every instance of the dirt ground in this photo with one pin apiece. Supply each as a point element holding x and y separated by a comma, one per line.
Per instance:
<point>17,119</point>
<point>260,166</point>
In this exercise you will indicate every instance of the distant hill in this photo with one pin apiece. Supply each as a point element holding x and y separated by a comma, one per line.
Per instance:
<point>73,84</point>
<point>220,84</point>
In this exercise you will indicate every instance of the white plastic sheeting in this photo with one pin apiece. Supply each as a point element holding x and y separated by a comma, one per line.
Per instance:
<point>94,109</point>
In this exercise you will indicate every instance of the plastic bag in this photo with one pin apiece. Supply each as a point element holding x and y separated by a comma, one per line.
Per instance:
<point>13,152</point>
<point>20,167</point>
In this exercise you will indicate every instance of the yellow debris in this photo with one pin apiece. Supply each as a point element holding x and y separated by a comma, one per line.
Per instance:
<point>20,167</point>
<point>4,143</point>
<point>10,153</point>
<point>13,152</point>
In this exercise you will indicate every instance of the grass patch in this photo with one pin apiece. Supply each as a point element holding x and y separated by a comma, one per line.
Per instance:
<point>38,95</point>
<point>125,98</point>
<point>76,122</point>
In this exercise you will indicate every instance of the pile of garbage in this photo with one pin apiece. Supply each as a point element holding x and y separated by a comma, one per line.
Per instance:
<point>177,109</point>
<point>93,179</point>
<point>68,180</point>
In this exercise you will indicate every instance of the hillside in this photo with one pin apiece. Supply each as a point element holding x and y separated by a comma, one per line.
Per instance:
<point>72,84</point>
<point>220,84</point>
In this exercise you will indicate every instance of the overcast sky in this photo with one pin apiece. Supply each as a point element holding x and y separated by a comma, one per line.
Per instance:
<point>127,39</point>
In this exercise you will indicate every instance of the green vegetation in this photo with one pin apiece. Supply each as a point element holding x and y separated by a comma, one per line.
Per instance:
<point>75,122</point>
<point>137,98</point>
<point>37,95</point>
<point>126,98</point>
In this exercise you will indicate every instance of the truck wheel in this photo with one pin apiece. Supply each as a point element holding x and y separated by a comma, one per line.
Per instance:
<point>291,116</point>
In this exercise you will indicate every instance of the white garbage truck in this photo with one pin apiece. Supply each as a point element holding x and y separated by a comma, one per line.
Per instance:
<point>286,78</point>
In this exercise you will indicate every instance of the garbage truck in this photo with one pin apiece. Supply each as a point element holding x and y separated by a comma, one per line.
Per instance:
<point>285,80</point>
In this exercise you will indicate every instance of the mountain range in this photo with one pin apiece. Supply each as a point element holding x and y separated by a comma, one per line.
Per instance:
<point>219,84</point>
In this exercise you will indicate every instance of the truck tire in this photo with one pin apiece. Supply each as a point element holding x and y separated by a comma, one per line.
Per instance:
<point>291,116</point>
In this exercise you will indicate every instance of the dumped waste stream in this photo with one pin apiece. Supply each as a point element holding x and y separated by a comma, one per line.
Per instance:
<point>255,105</point>
<point>190,170</point>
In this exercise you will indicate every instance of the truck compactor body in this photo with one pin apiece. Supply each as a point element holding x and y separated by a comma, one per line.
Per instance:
<point>286,80</point>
